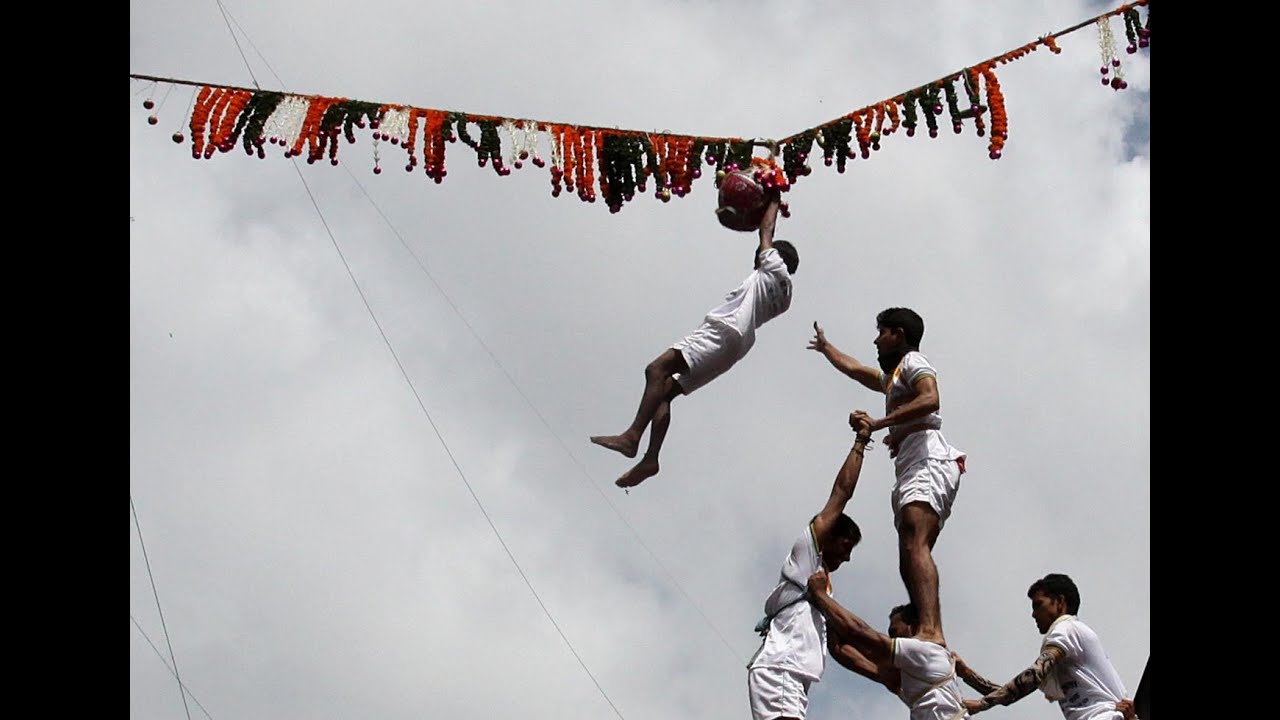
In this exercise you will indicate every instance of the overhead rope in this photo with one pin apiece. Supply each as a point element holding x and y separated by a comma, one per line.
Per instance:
<point>617,162</point>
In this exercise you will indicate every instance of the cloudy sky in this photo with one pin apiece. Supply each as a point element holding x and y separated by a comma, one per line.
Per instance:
<point>359,404</point>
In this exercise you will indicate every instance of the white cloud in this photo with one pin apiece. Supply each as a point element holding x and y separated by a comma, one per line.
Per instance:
<point>315,549</point>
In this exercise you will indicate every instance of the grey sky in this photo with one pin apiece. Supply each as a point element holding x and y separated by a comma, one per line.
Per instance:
<point>318,554</point>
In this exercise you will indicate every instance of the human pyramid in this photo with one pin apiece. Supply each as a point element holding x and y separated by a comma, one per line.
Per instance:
<point>802,621</point>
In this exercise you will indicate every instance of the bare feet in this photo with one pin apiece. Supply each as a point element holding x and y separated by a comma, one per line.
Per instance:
<point>617,443</point>
<point>643,470</point>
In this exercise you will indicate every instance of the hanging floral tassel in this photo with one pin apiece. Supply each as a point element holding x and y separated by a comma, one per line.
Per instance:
<point>999,120</point>
<point>1110,61</point>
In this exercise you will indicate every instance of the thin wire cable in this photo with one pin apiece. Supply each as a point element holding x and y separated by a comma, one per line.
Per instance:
<point>164,99</point>
<point>449,452</point>
<point>541,417</point>
<point>166,664</point>
<point>236,40</point>
<point>190,103</point>
<point>261,57</point>
<point>386,341</point>
<point>181,688</point>
<point>581,467</point>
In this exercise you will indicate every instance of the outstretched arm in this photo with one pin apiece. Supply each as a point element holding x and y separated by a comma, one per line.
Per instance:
<point>769,221</point>
<point>1021,686</point>
<point>873,646</point>
<point>973,679</point>
<point>848,656</point>
<point>847,364</point>
<point>846,481</point>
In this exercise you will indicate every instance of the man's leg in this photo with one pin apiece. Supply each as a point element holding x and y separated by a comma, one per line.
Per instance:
<point>918,529</point>
<point>648,465</point>
<point>657,376</point>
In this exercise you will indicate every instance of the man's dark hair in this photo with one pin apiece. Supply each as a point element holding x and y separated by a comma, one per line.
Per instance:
<point>910,615</point>
<point>789,255</point>
<point>911,323</point>
<point>1057,585</point>
<point>844,525</point>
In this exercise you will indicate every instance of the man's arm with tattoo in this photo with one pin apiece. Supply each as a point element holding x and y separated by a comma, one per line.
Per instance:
<point>973,679</point>
<point>1026,682</point>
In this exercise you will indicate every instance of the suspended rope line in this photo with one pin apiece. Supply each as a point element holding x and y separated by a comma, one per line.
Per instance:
<point>156,594</point>
<point>1002,58</point>
<point>581,467</point>
<point>167,666</point>
<point>618,162</point>
<point>472,116</point>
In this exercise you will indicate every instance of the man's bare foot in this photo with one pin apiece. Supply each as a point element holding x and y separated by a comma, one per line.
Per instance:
<point>617,443</point>
<point>643,470</point>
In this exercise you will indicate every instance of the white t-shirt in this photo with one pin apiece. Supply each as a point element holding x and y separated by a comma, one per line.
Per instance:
<point>797,638</point>
<point>763,296</point>
<point>900,389</point>
<point>1084,683</point>
<point>929,685</point>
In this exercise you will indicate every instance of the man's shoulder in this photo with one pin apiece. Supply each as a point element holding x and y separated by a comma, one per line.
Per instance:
<point>914,363</point>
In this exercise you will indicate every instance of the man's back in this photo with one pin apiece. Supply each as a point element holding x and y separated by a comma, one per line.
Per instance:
<point>928,680</point>
<point>762,296</point>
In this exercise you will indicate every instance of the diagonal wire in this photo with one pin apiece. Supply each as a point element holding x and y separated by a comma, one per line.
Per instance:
<point>449,452</point>
<point>422,405</point>
<point>181,689</point>
<point>236,40</point>
<point>595,486</point>
<point>166,664</point>
<point>510,379</point>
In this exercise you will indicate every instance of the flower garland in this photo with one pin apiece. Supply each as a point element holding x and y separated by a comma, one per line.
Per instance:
<point>615,164</point>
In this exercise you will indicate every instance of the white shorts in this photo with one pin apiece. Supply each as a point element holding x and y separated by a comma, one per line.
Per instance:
<point>931,480</point>
<point>777,693</point>
<point>709,351</point>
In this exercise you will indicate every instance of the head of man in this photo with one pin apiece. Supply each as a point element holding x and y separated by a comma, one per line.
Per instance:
<point>904,621</point>
<point>1052,596</point>
<point>839,543</point>
<point>790,257</point>
<point>898,332</point>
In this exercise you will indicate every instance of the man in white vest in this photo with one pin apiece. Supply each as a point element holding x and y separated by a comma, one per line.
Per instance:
<point>1073,668</point>
<point>793,654</point>
<point>726,334</point>
<point>920,672</point>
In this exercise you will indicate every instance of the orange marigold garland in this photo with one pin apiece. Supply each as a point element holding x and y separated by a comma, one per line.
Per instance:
<point>200,118</point>
<point>617,163</point>
<point>999,120</point>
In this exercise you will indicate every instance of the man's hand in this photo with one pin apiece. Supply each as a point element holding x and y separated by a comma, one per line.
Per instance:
<point>975,706</point>
<point>859,421</point>
<point>819,583</point>
<point>819,341</point>
<point>864,419</point>
<point>1126,708</point>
